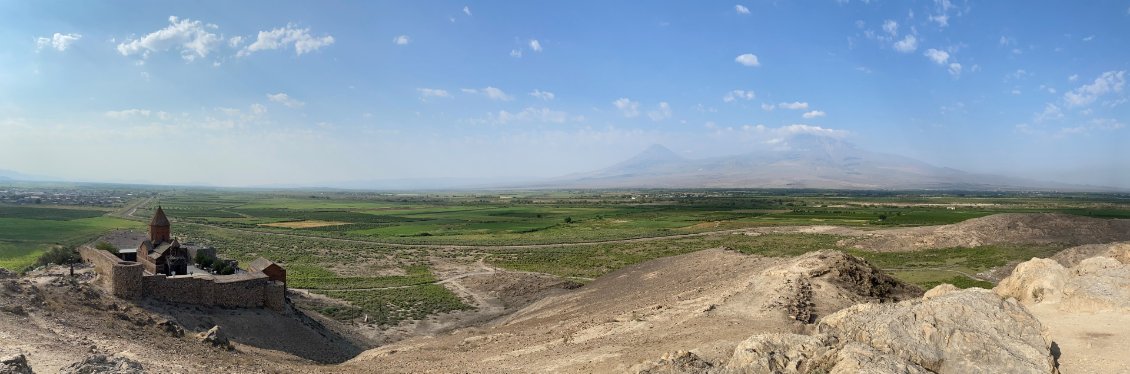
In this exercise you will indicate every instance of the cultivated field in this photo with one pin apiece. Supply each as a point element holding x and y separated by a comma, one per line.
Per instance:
<point>370,257</point>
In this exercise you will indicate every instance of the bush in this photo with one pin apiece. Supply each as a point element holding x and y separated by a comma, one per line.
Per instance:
<point>203,261</point>
<point>59,256</point>
<point>106,246</point>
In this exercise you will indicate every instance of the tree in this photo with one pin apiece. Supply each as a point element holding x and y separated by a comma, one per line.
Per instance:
<point>882,217</point>
<point>568,219</point>
<point>106,246</point>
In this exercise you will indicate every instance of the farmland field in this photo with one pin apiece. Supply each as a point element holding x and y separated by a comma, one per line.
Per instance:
<point>375,252</point>
<point>25,232</point>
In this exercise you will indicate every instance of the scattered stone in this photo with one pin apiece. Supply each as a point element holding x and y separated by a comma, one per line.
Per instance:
<point>14,309</point>
<point>14,363</point>
<point>676,363</point>
<point>215,337</point>
<point>171,327</point>
<point>101,364</point>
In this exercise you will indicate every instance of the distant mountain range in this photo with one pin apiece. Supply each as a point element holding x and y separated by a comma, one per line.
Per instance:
<point>809,162</point>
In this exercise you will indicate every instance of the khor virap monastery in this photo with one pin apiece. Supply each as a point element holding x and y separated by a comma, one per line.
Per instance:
<point>161,270</point>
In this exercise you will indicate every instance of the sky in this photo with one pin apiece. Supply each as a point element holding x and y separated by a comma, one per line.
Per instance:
<point>256,93</point>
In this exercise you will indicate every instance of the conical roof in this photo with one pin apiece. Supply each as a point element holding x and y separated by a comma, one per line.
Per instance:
<point>159,218</point>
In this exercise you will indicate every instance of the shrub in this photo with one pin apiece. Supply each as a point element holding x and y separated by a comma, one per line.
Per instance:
<point>106,246</point>
<point>59,256</point>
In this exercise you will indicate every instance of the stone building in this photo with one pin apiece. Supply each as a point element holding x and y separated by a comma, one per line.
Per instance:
<point>161,272</point>
<point>160,253</point>
<point>268,267</point>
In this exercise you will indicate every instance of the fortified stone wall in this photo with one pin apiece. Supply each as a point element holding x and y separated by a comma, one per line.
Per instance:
<point>127,280</point>
<point>248,290</point>
<point>121,278</point>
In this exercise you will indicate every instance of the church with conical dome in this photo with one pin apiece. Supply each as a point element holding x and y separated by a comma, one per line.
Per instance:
<point>161,253</point>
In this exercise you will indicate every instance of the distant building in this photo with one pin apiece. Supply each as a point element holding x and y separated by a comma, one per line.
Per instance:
<point>273,270</point>
<point>161,254</point>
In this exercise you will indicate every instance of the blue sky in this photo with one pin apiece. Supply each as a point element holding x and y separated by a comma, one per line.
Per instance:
<point>315,93</point>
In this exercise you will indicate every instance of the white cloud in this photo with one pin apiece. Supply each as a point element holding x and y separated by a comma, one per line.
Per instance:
<point>285,99</point>
<point>741,9</point>
<point>768,107</point>
<point>955,69</point>
<point>943,8</point>
<point>58,42</point>
<point>426,93</point>
<point>1006,41</point>
<point>544,95</point>
<point>515,53</point>
<point>748,59</point>
<point>780,133</point>
<point>401,40</point>
<point>1051,112</point>
<point>627,107</point>
<point>907,44</point>
<point>1089,38</point>
<point>490,92</point>
<point>939,57</point>
<point>739,95</point>
<point>1108,82</point>
<point>466,10</point>
<point>1073,77</point>
<point>661,113</point>
<point>891,27</point>
<point>283,37</point>
<point>813,114</point>
<point>535,45</point>
<point>531,114</point>
<point>1015,92</point>
<point>796,105</point>
<point>127,113</point>
<point>235,41</point>
<point>191,38</point>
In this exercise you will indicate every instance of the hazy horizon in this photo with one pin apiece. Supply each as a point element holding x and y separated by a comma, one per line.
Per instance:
<point>316,94</point>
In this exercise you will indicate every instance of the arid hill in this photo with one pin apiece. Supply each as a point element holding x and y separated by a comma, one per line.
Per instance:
<point>1008,228</point>
<point>710,300</point>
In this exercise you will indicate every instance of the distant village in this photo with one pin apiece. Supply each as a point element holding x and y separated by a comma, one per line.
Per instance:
<point>64,196</point>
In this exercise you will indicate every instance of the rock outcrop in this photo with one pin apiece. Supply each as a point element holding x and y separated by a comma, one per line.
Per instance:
<point>1093,284</point>
<point>946,331</point>
<point>14,363</point>
<point>102,364</point>
<point>215,337</point>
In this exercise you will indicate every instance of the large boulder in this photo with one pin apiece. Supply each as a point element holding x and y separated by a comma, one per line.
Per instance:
<point>14,363</point>
<point>102,364</point>
<point>1093,284</point>
<point>215,337</point>
<point>950,331</point>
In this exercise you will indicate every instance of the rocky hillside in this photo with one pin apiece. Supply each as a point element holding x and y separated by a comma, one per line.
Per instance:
<point>711,300</point>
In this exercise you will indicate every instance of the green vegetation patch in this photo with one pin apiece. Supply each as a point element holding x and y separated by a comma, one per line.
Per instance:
<point>390,306</point>
<point>957,266</point>
<point>416,275</point>
<point>53,214</point>
<point>23,240</point>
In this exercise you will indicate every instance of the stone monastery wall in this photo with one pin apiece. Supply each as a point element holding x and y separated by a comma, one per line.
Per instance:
<point>248,290</point>
<point>121,278</point>
<point>126,279</point>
